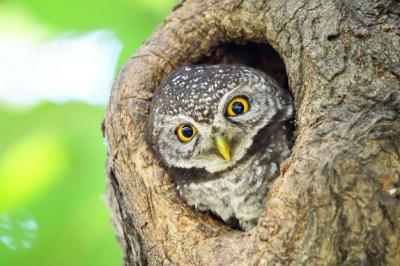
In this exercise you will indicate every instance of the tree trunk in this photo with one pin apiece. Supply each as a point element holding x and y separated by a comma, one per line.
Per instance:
<point>337,199</point>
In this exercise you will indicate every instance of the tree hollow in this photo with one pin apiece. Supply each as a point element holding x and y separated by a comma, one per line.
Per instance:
<point>336,199</point>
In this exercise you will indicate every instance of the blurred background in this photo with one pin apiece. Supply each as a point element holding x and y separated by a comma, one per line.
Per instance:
<point>58,59</point>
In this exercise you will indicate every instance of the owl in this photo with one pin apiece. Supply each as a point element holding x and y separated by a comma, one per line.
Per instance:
<point>222,131</point>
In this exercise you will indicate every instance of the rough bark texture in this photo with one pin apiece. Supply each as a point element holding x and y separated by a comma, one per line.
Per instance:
<point>337,198</point>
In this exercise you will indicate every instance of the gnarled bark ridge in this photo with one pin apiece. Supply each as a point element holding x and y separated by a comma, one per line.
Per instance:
<point>337,199</point>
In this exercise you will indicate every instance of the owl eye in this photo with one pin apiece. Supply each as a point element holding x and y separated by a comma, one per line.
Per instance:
<point>237,106</point>
<point>185,132</point>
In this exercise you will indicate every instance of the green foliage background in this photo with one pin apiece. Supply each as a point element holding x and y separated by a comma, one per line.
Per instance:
<point>52,156</point>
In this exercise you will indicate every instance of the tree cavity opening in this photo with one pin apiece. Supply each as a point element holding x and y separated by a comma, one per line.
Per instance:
<point>257,55</point>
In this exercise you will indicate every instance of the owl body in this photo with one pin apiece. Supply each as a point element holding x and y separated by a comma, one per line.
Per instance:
<point>238,194</point>
<point>222,132</point>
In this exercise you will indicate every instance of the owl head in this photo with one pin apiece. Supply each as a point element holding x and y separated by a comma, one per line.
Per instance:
<point>208,116</point>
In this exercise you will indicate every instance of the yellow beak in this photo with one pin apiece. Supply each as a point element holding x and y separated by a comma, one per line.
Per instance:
<point>222,146</point>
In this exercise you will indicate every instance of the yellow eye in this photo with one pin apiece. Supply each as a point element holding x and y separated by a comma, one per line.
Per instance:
<point>237,106</point>
<point>185,132</point>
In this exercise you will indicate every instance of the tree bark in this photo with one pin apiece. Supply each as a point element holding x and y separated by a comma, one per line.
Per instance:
<point>337,199</point>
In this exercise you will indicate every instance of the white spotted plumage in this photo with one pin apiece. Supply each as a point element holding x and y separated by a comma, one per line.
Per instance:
<point>259,139</point>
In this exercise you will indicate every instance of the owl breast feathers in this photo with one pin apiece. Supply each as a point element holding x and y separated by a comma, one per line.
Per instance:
<point>222,132</point>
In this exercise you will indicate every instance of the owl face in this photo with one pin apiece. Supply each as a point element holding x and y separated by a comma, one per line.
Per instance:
<point>207,116</point>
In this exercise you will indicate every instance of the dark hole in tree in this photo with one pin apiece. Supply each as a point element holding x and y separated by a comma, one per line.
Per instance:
<point>258,55</point>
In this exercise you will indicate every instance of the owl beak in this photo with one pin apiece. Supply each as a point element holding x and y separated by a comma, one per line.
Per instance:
<point>222,146</point>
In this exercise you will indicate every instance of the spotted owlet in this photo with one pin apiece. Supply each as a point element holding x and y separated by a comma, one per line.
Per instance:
<point>222,132</point>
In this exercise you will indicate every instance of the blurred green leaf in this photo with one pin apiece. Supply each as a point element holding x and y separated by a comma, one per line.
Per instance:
<point>131,20</point>
<point>52,170</point>
<point>29,167</point>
